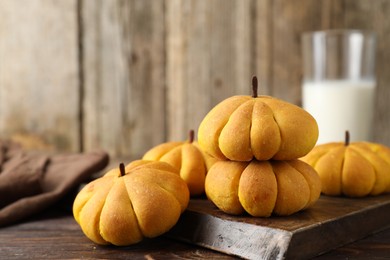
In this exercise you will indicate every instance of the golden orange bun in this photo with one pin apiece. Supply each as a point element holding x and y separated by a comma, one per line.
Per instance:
<point>187,158</point>
<point>262,188</point>
<point>355,170</point>
<point>241,128</point>
<point>121,208</point>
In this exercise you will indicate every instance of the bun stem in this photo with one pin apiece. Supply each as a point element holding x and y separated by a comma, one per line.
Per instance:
<point>254,86</point>
<point>346,138</point>
<point>122,169</point>
<point>191,136</point>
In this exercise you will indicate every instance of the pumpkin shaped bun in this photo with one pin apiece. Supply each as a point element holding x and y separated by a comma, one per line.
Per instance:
<point>354,169</point>
<point>262,188</point>
<point>242,127</point>
<point>143,199</point>
<point>187,158</point>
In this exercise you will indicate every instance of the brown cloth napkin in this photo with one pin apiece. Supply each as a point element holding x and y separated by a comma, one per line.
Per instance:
<point>32,181</point>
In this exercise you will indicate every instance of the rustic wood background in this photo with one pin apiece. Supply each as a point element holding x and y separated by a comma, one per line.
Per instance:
<point>78,75</point>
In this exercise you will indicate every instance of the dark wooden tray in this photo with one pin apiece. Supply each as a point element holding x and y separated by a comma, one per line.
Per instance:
<point>330,223</point>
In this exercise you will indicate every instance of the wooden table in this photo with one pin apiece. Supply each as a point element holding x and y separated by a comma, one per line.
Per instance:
<point>55,235</point>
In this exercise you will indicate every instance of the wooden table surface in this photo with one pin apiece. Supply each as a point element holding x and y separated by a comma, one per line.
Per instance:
<point>55,235</point>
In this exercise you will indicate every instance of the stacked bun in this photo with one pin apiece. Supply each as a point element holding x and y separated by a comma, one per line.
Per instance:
<point>258,140</point>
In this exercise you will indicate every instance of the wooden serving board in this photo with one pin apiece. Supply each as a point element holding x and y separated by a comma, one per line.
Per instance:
<point>330,223</point>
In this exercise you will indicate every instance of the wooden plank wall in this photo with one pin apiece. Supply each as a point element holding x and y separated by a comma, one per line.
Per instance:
<point>124,76</point>
<point>39,74</point>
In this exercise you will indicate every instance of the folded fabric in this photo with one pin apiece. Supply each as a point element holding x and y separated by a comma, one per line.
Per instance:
<point>32,181</point>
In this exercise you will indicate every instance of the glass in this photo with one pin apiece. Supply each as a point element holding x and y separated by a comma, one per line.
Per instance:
<point>338,86</point>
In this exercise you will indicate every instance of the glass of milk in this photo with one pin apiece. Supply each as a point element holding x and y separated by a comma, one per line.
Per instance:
<point>338,87</point>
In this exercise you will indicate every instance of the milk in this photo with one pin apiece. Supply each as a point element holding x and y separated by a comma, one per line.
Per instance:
<point>340,105</point>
